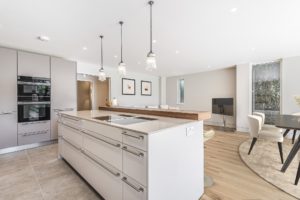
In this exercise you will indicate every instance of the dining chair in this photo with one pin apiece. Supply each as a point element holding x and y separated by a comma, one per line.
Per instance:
<point>265,126</point>
<point>256,132</point>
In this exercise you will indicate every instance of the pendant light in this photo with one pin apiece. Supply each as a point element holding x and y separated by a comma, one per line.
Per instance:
<point>122,65</point>
<point>102,76</point>
<point>151,60</point>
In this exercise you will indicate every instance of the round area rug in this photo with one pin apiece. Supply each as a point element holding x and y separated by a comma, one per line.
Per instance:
<point>264,160</point>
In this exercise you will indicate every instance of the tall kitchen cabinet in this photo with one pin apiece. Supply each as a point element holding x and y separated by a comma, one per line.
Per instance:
<point>8,99</point>
<point>63,90</point>
<point>32,64</point>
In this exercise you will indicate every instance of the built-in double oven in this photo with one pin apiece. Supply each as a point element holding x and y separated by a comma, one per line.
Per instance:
<point>33,99</point>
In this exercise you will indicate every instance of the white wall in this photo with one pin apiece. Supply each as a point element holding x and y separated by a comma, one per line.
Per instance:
<point>200,88</point>
<point>243,96</point>
<point>116,85</point>
<point>290,86</point>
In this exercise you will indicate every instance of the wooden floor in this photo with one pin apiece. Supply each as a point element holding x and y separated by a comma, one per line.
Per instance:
<point>233,179</point>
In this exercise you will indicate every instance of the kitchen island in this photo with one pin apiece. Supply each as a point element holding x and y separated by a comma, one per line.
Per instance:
<point>134,157</point>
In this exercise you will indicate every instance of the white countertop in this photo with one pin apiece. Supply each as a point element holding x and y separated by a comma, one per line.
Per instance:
<point>147,127</point>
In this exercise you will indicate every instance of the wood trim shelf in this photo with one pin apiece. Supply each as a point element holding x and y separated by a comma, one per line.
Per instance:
<point>182,114</point>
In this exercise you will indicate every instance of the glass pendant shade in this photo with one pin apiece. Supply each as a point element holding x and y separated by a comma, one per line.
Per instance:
<point>101,75</point>
<point>151,62</point>
<point>122,69</point>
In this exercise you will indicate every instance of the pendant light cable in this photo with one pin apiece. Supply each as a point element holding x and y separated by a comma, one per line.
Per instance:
<point>101,36</point>
<point>151,3</point>
<point>121,23</point>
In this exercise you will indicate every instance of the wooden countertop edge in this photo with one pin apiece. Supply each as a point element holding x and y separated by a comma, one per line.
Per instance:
<point>181,114</point>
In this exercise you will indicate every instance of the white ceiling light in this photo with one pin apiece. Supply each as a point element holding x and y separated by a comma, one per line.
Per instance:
<point>115,56</point>
<point>151,60</point>
<point>233,10</point>
<point>154,41</point>
<point>177,52</point>
<point>122,65</point>
<point>102,75</point>
<point>84,48</point>
<point>43,38</point>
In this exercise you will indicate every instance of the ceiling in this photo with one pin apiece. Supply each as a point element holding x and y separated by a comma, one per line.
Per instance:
<point>191,35</point>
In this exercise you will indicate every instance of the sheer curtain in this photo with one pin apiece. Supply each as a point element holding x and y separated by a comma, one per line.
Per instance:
<point>266,89</point>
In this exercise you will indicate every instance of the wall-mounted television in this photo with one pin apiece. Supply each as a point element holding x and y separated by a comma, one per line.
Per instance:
<point>222,106</point>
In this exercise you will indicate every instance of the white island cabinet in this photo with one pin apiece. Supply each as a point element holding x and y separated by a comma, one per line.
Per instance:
<point>154,160</point>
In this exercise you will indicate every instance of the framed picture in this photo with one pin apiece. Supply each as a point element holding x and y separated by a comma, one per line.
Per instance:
<point>128,86</point>
<point>146,88</point>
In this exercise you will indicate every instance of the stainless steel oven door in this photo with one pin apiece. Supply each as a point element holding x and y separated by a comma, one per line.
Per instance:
<point>33,111</point>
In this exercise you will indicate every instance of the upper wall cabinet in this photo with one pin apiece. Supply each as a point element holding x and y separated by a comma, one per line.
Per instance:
<point>35,65</point>
<point>63,89</point>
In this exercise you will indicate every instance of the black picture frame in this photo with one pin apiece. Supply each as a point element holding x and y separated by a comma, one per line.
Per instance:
<point>143,92</point>
<point>128,81</point>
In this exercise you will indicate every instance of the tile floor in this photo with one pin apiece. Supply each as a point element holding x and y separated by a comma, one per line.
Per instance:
<point>37,174</point>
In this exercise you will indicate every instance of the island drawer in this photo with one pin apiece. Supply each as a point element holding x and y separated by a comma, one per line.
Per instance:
<point>132,190</point>
<point>105,130</point>
<point>72,121</point>
<point>72,154</point>
<point>135,139</point>
<point>104,148</point>
<point>135,164</point>
<point>105,179</point>
<point>71,134</point>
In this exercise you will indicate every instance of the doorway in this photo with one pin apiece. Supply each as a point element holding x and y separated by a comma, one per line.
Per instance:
<point>92,93</point>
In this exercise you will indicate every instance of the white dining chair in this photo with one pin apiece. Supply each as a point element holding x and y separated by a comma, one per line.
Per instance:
<point>256,132</point>
<point>265,126</point>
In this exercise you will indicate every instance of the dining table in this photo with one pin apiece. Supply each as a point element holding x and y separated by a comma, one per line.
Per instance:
<point>289,122</point>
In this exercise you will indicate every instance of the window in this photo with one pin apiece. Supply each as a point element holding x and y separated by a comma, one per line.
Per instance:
<point>180,91</point>
<point>266,90</point>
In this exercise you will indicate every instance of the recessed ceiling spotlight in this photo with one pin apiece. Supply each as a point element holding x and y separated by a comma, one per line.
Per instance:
<point>253,48</point>
<point>139,63</point>
<point>115,56</point>
<point>177,52</point>
<point>84,48</point>
<point>208,66</point>
<point>43,38</point>
<point>154,41</point>
<point>233,10</point>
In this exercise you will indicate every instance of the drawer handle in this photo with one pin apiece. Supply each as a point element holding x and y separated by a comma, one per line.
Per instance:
<point>112,144</point>
<point>139,154</point>
<point>136,137</point>
<point>76,129</point>
<point>7,113</point>
<point>138,189</point>
<point>117,174</point>
<point>71,118</point>
<point>35,133</point>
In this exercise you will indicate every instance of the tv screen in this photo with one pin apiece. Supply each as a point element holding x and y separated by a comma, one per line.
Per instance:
<point>222,106</point>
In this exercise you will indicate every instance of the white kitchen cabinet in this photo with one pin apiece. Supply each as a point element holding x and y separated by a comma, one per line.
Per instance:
<point>32,64</point>
<point>135,164</point>
<point>63,89</point>
<point>8,99</point>
<point>104,179</point>
<point>104,148</point>
<point>124,164</point>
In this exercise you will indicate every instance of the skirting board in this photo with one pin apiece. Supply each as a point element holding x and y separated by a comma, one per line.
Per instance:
<point>28,146</point>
